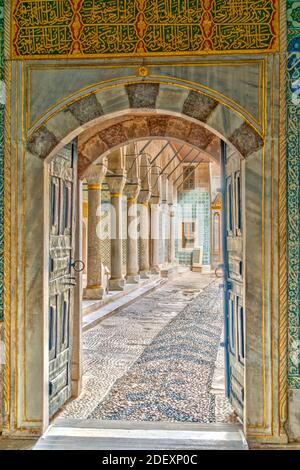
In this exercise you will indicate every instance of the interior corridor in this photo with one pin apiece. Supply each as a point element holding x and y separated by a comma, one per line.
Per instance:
<point>158,359</point>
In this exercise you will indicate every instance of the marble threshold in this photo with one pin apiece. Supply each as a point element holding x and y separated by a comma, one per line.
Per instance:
<point>121,435</point>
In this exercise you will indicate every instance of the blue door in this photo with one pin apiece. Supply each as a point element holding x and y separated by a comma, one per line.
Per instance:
<point>233,255</point>
<point>63,177</point>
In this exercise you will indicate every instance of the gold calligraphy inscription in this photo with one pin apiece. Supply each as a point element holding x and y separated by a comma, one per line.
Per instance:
<point>134,27</point>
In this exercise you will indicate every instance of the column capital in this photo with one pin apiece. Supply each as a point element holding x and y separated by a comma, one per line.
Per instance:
<point>95,174</point>
<point>155,199</point>
<point>116,183</point>
<point>132,190</point>
<point>144,196</point>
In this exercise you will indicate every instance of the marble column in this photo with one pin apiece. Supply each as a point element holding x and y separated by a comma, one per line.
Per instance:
<point>155,241</point>
<point>94,288</point>
<point>155,216</point>
<point>143,200</point>
<point>132,264</point>
<point>116,185</point>
<point>171,251</point>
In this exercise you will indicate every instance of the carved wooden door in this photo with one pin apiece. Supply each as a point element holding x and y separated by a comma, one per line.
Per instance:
<point>63,175</point>
<point>233,245</point>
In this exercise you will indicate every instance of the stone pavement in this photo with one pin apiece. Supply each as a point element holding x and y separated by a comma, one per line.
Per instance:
<point>155,359</point>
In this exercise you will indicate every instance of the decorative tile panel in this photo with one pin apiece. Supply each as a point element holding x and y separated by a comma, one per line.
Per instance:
<point>76,28</point>
<point>195,205</point>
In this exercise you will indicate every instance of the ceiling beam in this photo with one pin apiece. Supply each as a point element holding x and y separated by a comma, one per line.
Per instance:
<point>181,161</point>
<point>160,152</point>
<point>181,184</point>
<point>174,156</point>
<point>194,159</point>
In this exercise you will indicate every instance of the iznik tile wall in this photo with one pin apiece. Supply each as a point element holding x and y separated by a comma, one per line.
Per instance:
<point>293,189</point>
<point>194,206</point>
<point>2,91</point>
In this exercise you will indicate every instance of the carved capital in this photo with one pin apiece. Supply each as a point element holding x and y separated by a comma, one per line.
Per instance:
<point>116,183</point>
<point>95,174</point>
<point>155,199</point>
<point>132,190</point>
<point>144,196</point>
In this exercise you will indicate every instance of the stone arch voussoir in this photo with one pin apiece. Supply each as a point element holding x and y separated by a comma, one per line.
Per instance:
<point>138,110</point>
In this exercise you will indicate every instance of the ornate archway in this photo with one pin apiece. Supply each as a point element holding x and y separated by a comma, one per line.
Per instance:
<point>145,110</point>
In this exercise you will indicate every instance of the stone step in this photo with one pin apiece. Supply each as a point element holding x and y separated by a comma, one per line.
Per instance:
<point>128,435</point>
<point>174,271</point>
<point>125,298</point>
<point>90,306</point>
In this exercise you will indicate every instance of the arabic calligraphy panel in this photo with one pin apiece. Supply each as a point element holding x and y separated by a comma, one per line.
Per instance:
<point>110,27</point>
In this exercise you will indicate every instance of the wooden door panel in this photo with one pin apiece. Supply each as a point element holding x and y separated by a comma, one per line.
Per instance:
<point>234,278</point>
<point>64,332</point>
<point>52,328</point>
<point>61,253</point>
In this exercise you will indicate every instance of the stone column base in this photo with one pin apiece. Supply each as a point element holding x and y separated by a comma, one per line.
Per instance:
<point>116,284</point>
<point>133,279</point>
<point>144,275</point>
<point>93,293</point>
<point>155,270</point>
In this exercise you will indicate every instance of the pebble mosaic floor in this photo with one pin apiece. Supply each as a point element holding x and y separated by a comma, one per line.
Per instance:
<point>155,360</point>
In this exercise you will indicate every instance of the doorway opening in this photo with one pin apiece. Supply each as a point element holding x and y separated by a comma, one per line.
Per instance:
<point>94,163</point>
<point>151,227</point>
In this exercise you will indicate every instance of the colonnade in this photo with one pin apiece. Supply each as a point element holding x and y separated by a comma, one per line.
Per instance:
<point>142,185</point>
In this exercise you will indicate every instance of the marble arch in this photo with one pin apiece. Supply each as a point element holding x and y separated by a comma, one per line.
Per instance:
<point>208,115</point>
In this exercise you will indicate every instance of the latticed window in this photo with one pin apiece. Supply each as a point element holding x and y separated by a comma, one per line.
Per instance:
<point>188,234</point>
<point>188,177</point>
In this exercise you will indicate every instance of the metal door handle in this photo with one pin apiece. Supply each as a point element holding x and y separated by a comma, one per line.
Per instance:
<point>76,265</point>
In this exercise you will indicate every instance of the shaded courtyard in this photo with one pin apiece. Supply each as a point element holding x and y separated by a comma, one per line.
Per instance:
<point>159,359</point>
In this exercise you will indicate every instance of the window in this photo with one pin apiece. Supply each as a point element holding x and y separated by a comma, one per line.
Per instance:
<point>188,178</point>
<point>188,234</point>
